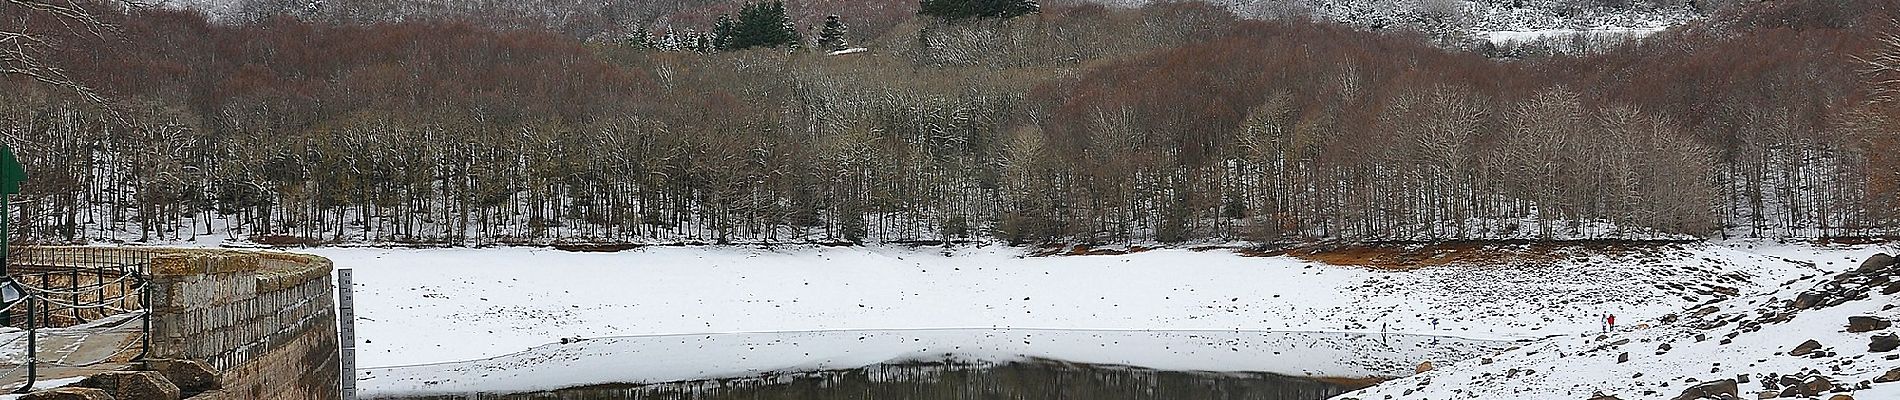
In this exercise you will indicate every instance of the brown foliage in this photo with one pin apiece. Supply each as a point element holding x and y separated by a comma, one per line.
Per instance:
<point>311,72</point>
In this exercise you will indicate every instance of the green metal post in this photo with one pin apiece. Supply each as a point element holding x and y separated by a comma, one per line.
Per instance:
<point>11,174</point>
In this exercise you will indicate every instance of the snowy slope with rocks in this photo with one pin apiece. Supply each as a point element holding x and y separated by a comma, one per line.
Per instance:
<point>1817,336</point>
<point>483,303</point>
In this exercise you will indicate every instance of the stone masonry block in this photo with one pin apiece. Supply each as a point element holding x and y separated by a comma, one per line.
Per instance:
<point>191,377</point>
<point>69,393</point>
<point>133,385</point>
<point>172,265</point>
<point>235,262</point>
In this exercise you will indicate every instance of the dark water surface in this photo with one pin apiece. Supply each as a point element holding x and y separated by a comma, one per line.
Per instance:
<point>1038,379</point>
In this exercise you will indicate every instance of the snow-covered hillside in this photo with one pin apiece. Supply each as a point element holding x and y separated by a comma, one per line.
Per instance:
<point>1812,337</point>
<point>484,303</point>
<point>1450,21</point>
<point>1469,22</point>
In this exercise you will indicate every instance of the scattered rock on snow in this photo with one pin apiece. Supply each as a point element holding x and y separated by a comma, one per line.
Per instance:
<point>1807,299</point>
<point>1877,262</point>
<point>1892,375</point>
<point>1814,386</point>
<point>1622,358</point>
<point>1866,324</point>
<point>1804,348</point>
<point>1722,389</point>
<point>1883,343</point>
<point>1423,367</point>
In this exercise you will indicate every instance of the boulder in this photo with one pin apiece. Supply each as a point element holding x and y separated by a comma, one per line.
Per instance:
<point>1892,375</point>
<point>1423,367</point>
<point>1883,343</point>
<point>68,393</point>
<point>191,376</point>
<point>1807,300</point>
<point>1892,288</point>
<point>1804,348</point>
<point>1841,397</point>
<point>1722,389</point>
<point>1876,263</point>
<point>133,385</point>
<point>1860,324</point>
<point>1623,358</point>
<point>1814,386</point>
<point>1601,396</point>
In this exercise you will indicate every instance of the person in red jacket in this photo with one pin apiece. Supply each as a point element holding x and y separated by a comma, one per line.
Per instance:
<point>1611,322</point>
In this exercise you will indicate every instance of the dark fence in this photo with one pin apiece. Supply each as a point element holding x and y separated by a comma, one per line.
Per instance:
<point>78,308</point>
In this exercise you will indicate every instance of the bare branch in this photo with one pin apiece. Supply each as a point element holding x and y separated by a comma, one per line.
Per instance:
<point>21,48</point>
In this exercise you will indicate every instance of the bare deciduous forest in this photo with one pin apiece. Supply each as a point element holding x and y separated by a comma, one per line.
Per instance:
<point>1174,122</point>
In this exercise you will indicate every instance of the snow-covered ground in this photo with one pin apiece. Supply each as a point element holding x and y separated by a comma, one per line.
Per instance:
<point>1519,37</point>
<point>419,306</point>
<point>1748,339</point>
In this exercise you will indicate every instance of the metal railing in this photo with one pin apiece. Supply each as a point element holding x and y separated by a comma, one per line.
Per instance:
<point>78,297</point>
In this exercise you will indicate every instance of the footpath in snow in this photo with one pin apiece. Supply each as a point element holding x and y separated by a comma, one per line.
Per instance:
<point>422,306</point>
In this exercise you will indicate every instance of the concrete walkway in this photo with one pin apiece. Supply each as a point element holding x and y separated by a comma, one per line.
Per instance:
<point>103,345</point>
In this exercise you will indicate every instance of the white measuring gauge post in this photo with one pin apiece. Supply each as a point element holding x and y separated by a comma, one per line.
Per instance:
<point>346,335</point>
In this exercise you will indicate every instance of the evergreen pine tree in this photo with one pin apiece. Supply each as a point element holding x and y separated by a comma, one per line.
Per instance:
<point>702,43</point>
<point>670,42</point>
<point>722,33</point>
<point>640,39</point>
<point>787,33</point>
<point>831,38</point>
<point>760,24</point>
<point>955,10</point>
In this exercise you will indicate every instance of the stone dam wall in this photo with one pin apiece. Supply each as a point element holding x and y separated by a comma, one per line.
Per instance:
<point>225,324</point>
<point>265,322</point>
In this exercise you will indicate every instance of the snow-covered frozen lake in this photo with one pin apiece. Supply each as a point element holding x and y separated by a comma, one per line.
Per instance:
<point>675,358</point>
<point>494,319</point>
